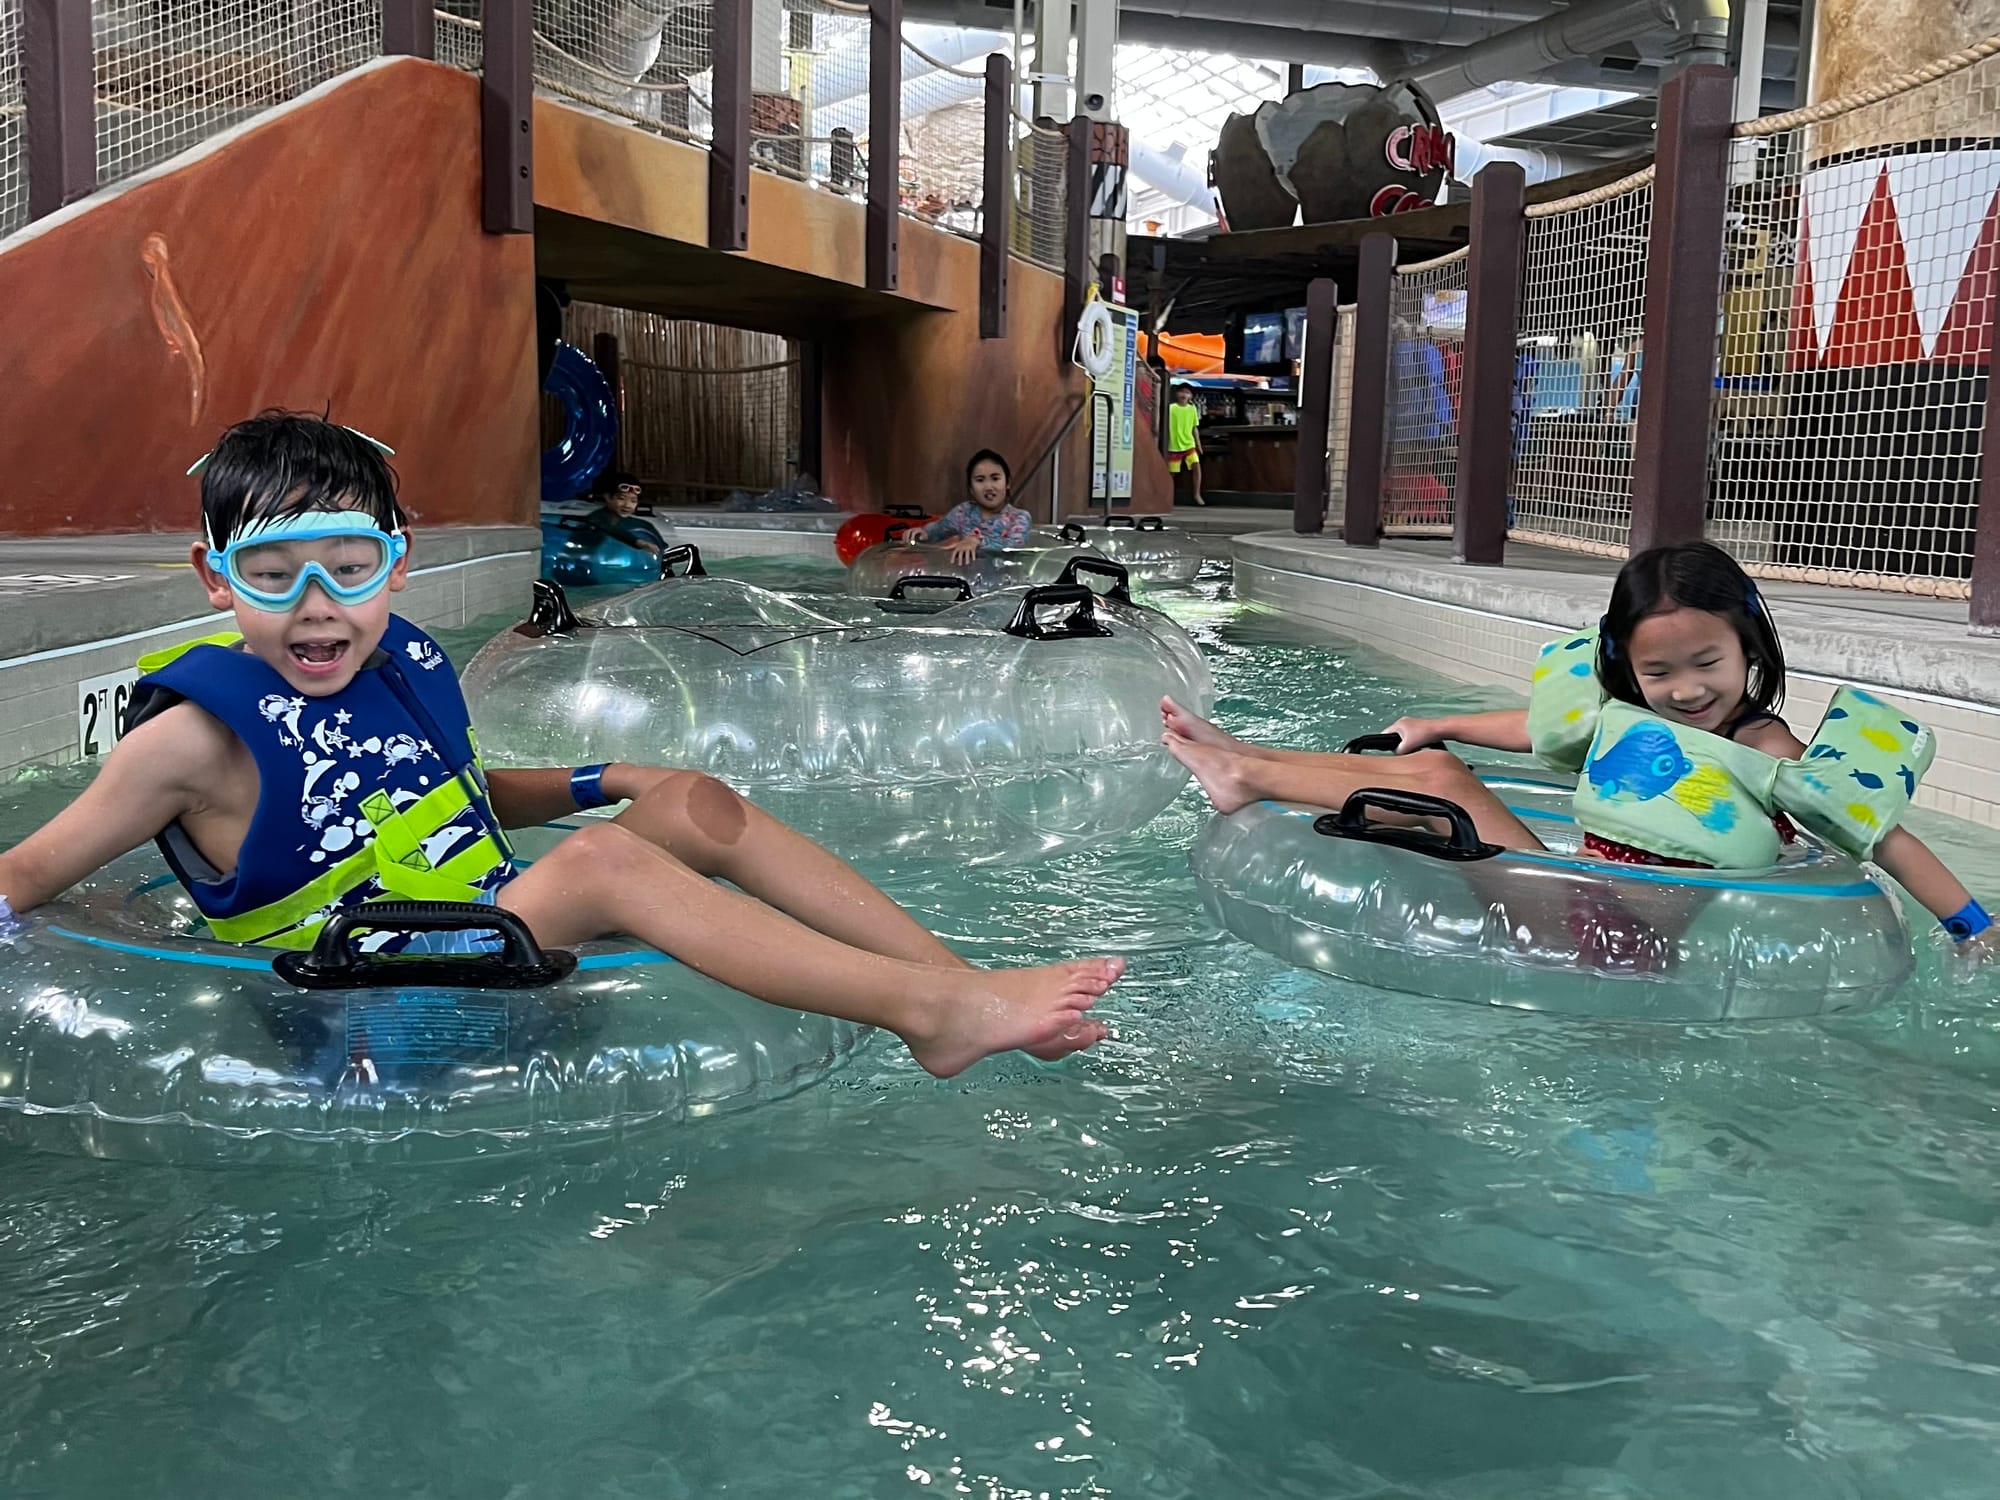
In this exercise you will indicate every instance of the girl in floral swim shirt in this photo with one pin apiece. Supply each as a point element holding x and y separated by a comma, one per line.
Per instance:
<point>985,522</point>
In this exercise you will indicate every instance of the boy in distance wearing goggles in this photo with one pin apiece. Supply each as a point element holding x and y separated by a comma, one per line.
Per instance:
<point>306,544</point>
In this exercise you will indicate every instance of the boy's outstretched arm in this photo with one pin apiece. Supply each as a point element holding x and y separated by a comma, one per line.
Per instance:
<point>151,777</point>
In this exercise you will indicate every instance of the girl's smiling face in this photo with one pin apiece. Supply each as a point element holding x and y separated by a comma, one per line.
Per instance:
<point>1690,666</point>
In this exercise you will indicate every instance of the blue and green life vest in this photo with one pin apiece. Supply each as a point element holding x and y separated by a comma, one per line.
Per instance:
<point>371,793</point>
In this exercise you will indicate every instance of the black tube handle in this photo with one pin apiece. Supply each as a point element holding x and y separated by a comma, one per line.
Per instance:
<point>912,512</point>
<point>895,531</point>
<point>1118,573</point>
<point>1081,621</point>
<point>1364,744</point>
<point>902,586</point>
<point>1148,523</point>
<point>1072,534</point>
<point>1351,822</point>
<point>1114,523</point>
<point>685,552</point>
<point>550,614</point>
<point>521,964</point>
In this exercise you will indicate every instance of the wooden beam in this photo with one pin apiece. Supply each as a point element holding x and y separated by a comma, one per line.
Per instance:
<point>1368,400</point>
<point>1486,401</point>
<point>1315,405</point>
<point>1683,272</point>
<point>729,143</point>
<point>409,28</point>
<point>1076,228</point>
<point>885,134</point>
<point>996,215</point>
<point>58,82</point>
<point>507,117</point>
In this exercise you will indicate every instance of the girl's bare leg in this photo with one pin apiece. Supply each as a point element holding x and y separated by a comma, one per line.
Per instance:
<point>608,878</point>
<point>716,832</point>
<point>1233,779</point>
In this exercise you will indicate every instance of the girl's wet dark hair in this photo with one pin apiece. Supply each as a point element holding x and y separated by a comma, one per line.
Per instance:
<point>1691,575</point>
<point>986,456</point>
<point>284,463</point>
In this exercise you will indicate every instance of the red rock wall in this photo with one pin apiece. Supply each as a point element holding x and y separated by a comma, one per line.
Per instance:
<point>329,257</point>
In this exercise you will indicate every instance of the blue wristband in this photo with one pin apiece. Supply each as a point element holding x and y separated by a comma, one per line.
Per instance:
<point>586,786</point>
<point>1967,922</point>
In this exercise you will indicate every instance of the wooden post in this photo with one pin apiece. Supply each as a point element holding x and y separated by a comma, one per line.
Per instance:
<point>1315,405</point>
<point>409,28</point>
<point>1368,400</point>
<point>507,117</point>
<point>1492,336</point>
<point>729,145</point>
<point>1683,275</point>
<point>996,216</point>
<point>812,416</point>
<point>885,132</point>
<point>1076,229</point>
<point>58,81</point>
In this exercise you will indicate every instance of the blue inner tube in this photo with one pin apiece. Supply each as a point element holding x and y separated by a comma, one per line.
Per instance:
<point>578,552</point>
<point>590,425</point>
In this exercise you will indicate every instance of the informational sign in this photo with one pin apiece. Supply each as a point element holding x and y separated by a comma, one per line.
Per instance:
<point>1114,404</point>
<point>100,711</point>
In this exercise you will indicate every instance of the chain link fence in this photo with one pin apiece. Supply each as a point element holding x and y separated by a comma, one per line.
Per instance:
<point>1583,294</point>
<point>1426,360</point>
<point>1855,325</point>
<point>13,123</point>
<point>170,73</point>
<point>1041,194</point>
<point>644,62</point>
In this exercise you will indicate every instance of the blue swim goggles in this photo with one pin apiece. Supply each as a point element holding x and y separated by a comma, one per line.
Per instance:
<point>270,564</point>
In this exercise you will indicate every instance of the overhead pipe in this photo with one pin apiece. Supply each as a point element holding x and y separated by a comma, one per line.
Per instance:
<point>1586,30</point>
<point>1290,25</point>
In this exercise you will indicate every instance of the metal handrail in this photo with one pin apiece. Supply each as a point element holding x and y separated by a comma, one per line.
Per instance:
<point>1055,443</point>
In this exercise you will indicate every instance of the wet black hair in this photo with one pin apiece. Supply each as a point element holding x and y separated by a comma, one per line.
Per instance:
<point>284,463</point>
<point>987,456</point>
<point>1691,575</point>
<point>617,480</point>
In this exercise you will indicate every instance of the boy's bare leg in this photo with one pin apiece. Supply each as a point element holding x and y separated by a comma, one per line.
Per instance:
<point>609,879</point>
<point>1233,779</point>
<point>717,832</point>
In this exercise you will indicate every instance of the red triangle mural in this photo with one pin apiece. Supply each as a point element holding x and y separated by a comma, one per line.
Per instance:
<point>1802,348</point>
<point>1967,335</point>
<point>1875,320</point>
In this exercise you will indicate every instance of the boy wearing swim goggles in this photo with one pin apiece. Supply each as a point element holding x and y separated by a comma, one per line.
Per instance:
<point>305,543</point>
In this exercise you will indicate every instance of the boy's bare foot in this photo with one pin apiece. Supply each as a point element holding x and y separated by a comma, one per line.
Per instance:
<point>1038,1011</point>
<point>1190,725</point>
<point>1218,769</point>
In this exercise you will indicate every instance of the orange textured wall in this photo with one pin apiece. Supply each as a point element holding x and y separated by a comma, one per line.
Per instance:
<point>331,256</point>
<point>908,400</point>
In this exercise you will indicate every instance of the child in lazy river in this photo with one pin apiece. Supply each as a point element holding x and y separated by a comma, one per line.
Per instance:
<point>985,520</point>
<point>326,760</point>
<point>1687,645</point>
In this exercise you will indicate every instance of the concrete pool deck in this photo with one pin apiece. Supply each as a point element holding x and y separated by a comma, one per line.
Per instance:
<point>77,611</point>
<point>1483,625</point>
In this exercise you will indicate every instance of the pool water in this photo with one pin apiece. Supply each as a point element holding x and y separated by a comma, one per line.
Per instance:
<point>1278,1236</point>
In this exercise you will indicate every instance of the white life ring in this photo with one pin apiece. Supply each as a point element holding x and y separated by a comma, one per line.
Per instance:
<point>1095,336</point>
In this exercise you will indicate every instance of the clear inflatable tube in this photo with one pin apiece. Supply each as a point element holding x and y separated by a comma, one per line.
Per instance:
<point>876,571</point>
<point>1158,555</point>
<point>689,597</point>
<point>124,1035</point>
<point>990,730</point>
<point>1560,932</point>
